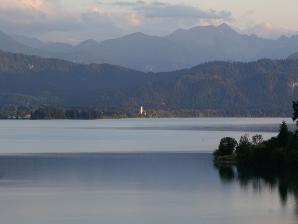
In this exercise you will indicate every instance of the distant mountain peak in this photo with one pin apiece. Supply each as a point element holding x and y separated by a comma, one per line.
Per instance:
<point>9,44</point>
<point>210,28</point>
<point>89,41</point>
<point>199,27</point>
<point>226,27</point>
<point>138,35</point>
<point>181,49</point>
<point>87,44</point>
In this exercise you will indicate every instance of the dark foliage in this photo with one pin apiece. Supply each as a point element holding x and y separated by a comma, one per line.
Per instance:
<point>227,146</point>
<point>295,113</point>
<point>48,113</point>
<point>278,154</point>
<point>283,135</point>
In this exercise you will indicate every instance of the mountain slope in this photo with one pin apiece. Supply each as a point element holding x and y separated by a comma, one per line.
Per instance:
<point>44,46</point>
<point>263,87</point>
<point>137,51</point>
<point>56,82</point>
<point>181,49</point>
<point>294,56</point>
<point>7,43</point>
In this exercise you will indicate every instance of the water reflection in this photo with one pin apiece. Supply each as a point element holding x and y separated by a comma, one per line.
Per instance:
<point>153,171</point>
<point>147,188</point>
<point>285,183</point>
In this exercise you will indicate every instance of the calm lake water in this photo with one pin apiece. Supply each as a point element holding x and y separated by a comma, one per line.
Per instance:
<point>128,135</point>
<point>132,171</point>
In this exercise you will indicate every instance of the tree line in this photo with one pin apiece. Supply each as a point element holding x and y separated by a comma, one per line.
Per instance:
<point>278,154</point>
<point>49,113</point>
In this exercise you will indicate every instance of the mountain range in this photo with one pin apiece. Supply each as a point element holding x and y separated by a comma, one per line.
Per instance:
<point>183,48</point>
<point>261,87</point>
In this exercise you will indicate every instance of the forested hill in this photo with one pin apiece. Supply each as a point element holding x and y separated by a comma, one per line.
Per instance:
<point>264,87</point>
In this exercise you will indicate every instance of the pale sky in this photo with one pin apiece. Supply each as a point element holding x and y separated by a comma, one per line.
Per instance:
<point>77,20</point>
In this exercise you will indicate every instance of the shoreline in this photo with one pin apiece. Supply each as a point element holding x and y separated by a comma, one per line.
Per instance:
<point>145,118</point>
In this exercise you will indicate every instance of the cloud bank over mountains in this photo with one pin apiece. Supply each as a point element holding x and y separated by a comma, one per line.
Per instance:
<point>76,20</point>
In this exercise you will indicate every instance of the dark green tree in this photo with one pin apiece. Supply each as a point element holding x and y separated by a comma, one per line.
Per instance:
<point>283,135</point>
<point>243,149</point>
<point>243,145</point>
<point>294,141</point>
<point>257,139</point>
<point>295,111</point>
<point>227,146</point>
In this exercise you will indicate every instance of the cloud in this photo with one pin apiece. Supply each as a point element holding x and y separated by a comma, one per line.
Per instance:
<point>30,3</point>
<point>179,11</point>
<point>34,16</point>
<point>128,4</point>
<point>58,19</point>
<point>45,6</point>
<point>268,30</point>
<point>164,10</point>
<point>120,18</point>
<point>210,22</point>
<point>47,19</point>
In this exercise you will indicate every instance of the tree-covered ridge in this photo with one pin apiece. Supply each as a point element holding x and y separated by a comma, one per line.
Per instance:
<point>276,155</point>
<point>222,88</point>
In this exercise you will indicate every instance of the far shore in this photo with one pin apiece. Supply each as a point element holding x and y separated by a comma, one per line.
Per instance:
<point>154,117</point>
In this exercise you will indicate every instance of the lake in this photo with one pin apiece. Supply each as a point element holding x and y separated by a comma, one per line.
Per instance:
<point>128,135</point>
<point>132,171</point>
